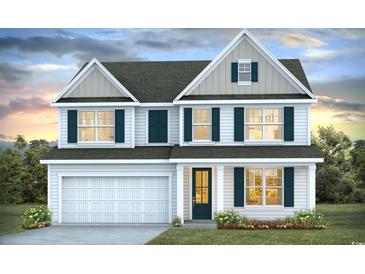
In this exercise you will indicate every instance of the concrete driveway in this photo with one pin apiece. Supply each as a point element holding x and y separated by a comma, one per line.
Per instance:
<point>86,235</point>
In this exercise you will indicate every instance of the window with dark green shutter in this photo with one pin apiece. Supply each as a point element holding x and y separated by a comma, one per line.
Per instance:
<point>157,126</point>
<point>72,126</point>
<point>215,124</point>
<point>234,72</point>
<point>254,72</point>
<point>239,186</point>
<point>288,123</point>
<point>238,124</point>
<point>289,186</point>
<point>188,124</point>
<point>119,126</point>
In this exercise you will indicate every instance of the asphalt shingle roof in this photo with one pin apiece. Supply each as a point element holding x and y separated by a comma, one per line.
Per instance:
<point>162,81</point>
<point>189,152</point>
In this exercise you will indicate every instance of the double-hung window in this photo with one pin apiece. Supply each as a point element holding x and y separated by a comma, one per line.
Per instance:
<point>96,126</point>
<point>202,124</point>
<point>244,72</point>
<point>264,124</point>
<point>264,186</point>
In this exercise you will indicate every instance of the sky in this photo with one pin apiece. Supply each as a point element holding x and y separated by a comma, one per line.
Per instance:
<point>35,65</point>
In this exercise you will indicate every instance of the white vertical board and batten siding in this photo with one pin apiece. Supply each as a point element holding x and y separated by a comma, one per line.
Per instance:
<point>105,171</point>
<point>141,124</point>
<point>301,125</point>
<point>128,126</point>
<point>94,84</point>
<point>301,199</point>
<point>270,80</point>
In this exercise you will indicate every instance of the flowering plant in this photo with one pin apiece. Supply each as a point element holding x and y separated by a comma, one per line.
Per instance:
<point>176,222</point>
<point>305,219</point>
<point>36,217</point>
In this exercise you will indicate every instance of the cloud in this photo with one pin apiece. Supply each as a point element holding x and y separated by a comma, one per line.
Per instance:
<point>21,105</point>
<point>81,47</point>
<point>49,67</point>
<point>5,138</point>
<point>320,54</point>
<point>292,40</point>
<point>345,110</point>
<point>9,73</point>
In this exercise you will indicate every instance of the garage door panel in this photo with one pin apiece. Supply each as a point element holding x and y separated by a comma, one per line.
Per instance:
<point>115,200</point>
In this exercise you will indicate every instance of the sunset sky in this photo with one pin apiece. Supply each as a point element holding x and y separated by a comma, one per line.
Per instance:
<point>35,64</point>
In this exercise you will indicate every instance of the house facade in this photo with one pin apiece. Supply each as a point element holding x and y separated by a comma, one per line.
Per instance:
<point>145,142</point>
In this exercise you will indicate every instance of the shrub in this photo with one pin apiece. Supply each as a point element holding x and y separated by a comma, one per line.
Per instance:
<point>176,222</point>
<point>305,219</point>
<point>227,219</point>
<point>36,217</point>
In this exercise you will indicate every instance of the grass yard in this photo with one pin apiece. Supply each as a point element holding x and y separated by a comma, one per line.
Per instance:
<point>10,218</point>
<point>345,224</point>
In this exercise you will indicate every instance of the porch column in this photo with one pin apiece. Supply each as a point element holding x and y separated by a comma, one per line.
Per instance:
<point>312,186</point>
<point>180,191</point>
<point>220,187</point>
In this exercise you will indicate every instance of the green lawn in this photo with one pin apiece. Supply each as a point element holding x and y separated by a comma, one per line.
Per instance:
<point>346,224</point>
<point>10,220</point>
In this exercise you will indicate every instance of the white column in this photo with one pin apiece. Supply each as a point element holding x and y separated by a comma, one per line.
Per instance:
<point>312,186</point>
<point>220,187</point>
<point>180,191</point>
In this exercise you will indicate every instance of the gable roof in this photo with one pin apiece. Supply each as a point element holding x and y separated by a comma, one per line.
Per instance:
<point>228,49</point>
<point>162,81</point>
<point>84,72</point>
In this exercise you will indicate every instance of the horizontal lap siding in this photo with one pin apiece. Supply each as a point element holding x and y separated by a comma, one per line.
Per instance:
<point>300,196</point>
<point>105,169</point>
<point>142,124</point>
<point>227,124</point>
<point>63,128</point>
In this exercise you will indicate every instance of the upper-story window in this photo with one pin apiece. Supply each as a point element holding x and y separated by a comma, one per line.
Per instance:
<point>202,124</point>
<point>96,126</point>
<point>264,124</point>
<point>244,71</point>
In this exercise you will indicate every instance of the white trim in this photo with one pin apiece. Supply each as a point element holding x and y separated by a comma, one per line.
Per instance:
<point>133,114</point>
<point>309,125</point>
<point>59,141</point>
<point>180,192</point>
<point>220,187</point>
<point>113,174</point>
<point>105,104</point>
<point>247,102</point>
<point>108,161</point>
<point>167,104</point>
<point>214,63</point>
<point>311,186</point>
<point>93,61</point>
<point>248,160</point>
<point>181,125</point>
<point>49,186</point>
<point>187,160</point>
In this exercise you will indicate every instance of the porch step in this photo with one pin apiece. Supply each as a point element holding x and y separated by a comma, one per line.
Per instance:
<point>199,223</point>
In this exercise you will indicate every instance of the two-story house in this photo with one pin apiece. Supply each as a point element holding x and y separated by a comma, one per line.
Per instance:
<point>144,142</point>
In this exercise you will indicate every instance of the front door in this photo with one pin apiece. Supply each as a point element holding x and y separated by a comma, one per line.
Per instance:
<point>202,193</point>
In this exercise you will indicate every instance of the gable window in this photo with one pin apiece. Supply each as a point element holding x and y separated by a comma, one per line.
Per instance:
<point>264,124</point>
<point>96,126</point>
<point>264,186</point>
<point>244,71</point>
<point>202,125</point>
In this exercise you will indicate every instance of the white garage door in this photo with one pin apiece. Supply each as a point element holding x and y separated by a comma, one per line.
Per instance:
<point>131,200</point>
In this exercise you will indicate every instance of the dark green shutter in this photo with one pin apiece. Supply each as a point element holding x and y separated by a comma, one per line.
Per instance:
<point>119,126</point>
<point>234,72</point>
<point>254,72</point>
<point>239,124</point>
<point>288,123</point>
<point>157,126</point>
<point>215,124</point>
<point>289,186</point>
<point>72,126</point>
<point>188,124</point>
<point>239,190</point>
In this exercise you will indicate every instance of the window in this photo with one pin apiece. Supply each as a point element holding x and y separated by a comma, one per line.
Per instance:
<point>264,124</point>
<point>244,71</point>
<point>96,126</point>
<point>264,186</point>
<point>202,125</point>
